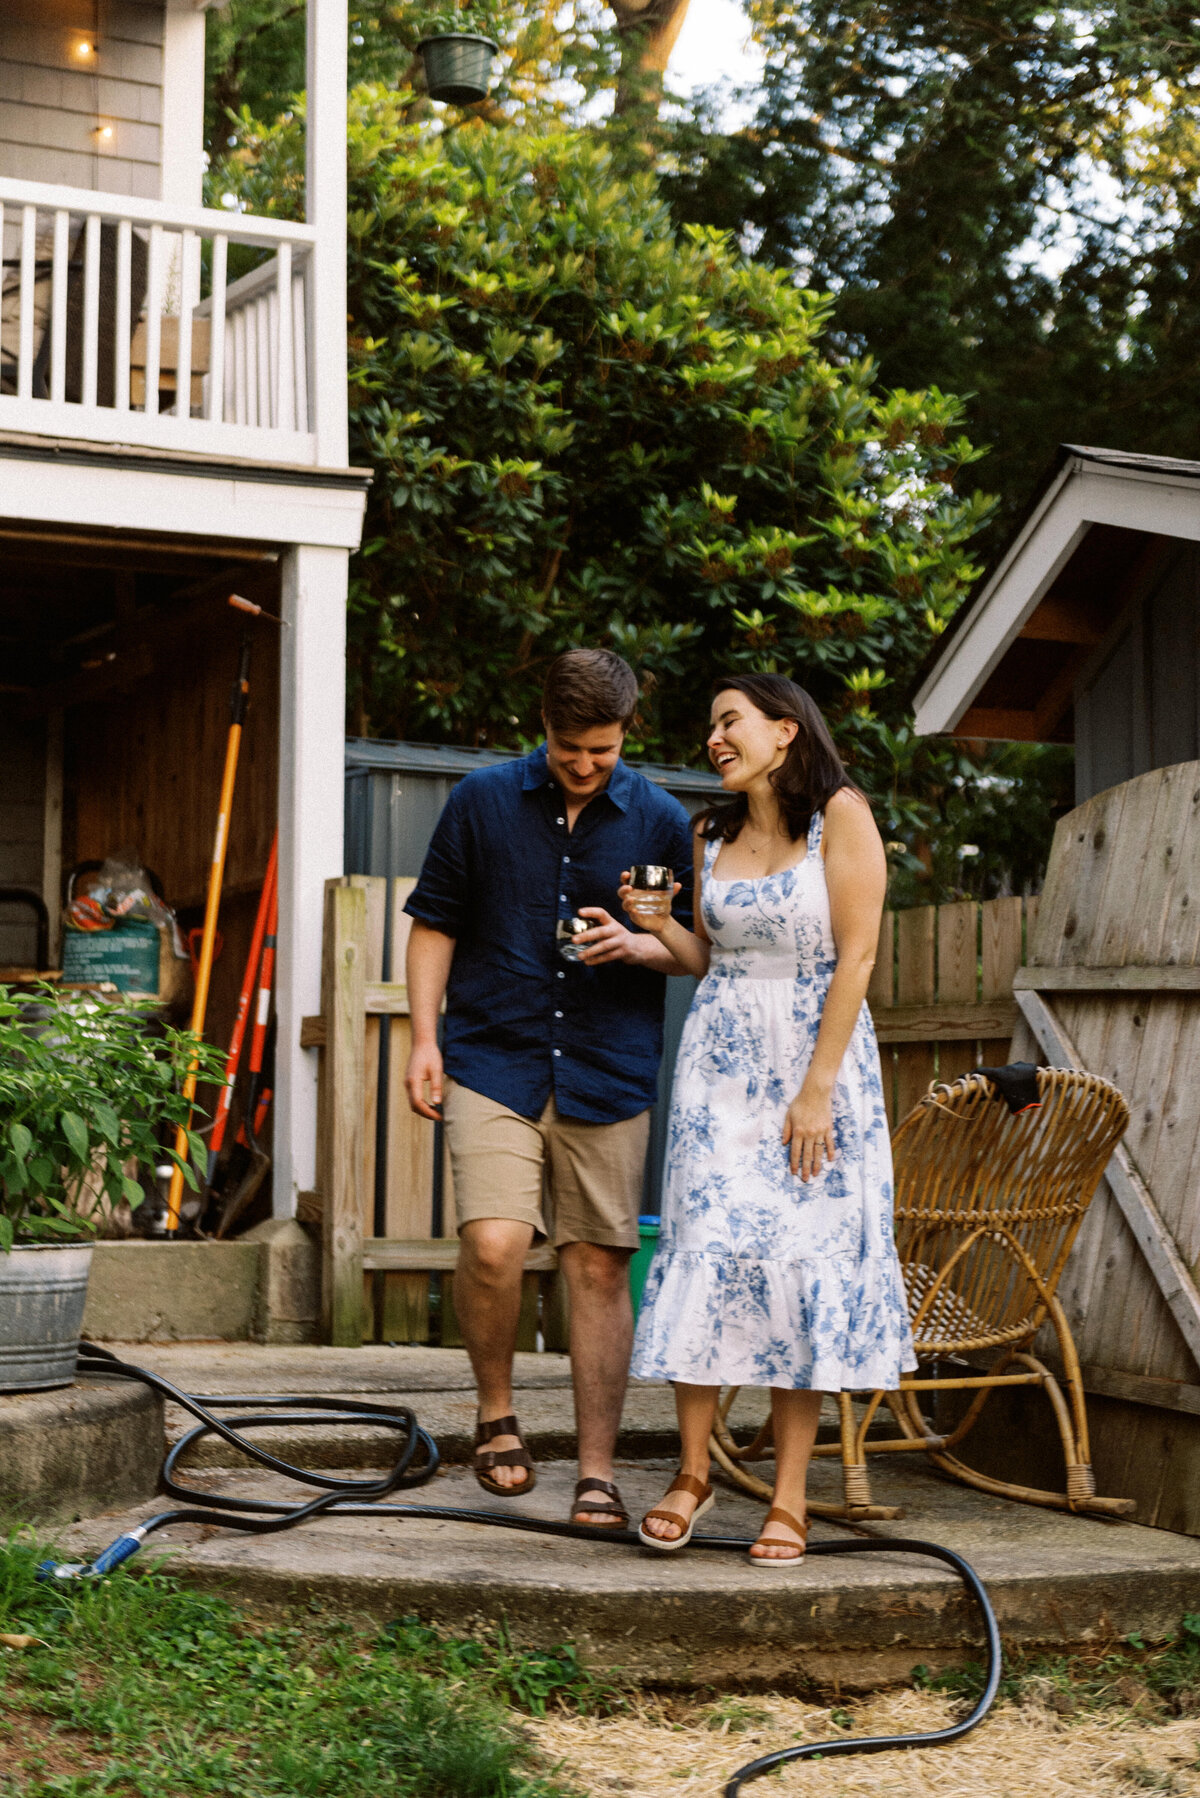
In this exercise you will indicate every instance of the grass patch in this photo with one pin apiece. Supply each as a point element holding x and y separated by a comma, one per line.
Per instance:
<point>1156,1678</point>
<point>138,1687</point>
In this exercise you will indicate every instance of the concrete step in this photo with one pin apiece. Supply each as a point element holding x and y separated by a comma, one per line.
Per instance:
<point>67,1452</point>
<point>705,1617</point>
<point>547,1418</point>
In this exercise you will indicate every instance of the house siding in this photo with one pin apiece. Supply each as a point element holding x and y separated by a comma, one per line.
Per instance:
<point>1137,705</point>
<point>50,104</point>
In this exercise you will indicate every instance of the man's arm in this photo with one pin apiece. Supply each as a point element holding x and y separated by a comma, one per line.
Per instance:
<point>427,969</point>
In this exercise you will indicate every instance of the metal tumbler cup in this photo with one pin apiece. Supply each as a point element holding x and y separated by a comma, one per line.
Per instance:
<point>653,888</point>
<point>565,934</point>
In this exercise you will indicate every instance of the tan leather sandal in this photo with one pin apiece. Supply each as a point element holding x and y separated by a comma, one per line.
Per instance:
<point>683,1482</point>
<point>777,1514</point>
<point>483,1463</point>
<point>608,1513</point>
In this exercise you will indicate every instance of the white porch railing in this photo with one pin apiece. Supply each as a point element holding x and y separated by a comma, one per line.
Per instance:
<point>104,336</point>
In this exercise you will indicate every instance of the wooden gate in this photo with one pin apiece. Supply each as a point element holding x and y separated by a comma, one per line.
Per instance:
<point>942,1001</point>
<point>1114,986</point>
<point>385,1198</point>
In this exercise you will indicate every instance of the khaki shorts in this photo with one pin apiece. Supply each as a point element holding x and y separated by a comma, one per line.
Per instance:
<point>587,1177</point>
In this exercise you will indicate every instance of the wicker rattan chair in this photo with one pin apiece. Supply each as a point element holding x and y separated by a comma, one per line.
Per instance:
<point>988,1205</point>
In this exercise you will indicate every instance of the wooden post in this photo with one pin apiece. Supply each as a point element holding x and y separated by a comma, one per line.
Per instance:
<point>343,999</point>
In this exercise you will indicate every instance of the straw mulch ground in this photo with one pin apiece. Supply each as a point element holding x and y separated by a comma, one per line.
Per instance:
<point>1022,1751</point>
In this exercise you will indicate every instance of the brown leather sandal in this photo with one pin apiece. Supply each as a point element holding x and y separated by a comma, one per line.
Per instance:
<point>482,1464</point>
<point>683,1482</point>
<point>610,1513</point>
<point>777,1514</point>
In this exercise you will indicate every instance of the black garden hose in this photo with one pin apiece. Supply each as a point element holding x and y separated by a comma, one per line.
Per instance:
<point>416,1462</point>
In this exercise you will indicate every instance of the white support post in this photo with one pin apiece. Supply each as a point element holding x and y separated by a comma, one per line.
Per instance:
<point>182,106</point>
<point>312,728</point>
<point>325,202</point>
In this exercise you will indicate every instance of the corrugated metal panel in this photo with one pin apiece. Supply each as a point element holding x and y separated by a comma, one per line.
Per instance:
<point>394,796</point>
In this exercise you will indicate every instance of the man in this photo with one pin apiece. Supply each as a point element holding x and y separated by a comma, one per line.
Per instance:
<point>550,1066</point>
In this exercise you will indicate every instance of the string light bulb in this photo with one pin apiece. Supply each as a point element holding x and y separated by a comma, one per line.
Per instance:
<point>85,48</point>
<point>103,133</point>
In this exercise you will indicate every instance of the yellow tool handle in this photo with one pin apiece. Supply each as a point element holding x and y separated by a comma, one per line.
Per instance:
<point>216,875</point>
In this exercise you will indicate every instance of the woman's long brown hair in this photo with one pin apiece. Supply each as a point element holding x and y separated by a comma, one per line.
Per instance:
<point>809,775</point>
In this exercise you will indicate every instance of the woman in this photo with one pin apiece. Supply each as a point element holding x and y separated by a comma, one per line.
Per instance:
<point>776,1264</point>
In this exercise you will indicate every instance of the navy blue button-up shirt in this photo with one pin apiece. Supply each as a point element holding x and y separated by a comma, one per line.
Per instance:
<point>502,868</point>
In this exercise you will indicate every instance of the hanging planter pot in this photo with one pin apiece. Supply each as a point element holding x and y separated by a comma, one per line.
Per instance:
<point>458,66</point>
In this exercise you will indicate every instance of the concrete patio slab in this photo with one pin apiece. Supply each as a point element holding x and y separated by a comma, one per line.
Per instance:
<point>703,1617</point>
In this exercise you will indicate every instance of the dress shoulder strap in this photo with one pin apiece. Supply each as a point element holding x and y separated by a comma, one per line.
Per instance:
<point>815,831</point>
<point>711,847</point>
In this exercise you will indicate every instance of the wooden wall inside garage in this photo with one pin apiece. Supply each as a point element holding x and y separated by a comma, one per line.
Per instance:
<point>143,765</point>
<point>142,770</point>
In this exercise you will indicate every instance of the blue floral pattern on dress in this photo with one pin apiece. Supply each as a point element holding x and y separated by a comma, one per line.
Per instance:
<point>761,1279</point>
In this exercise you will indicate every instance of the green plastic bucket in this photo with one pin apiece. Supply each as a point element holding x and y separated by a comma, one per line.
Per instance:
<point>639,1267</point>
<point>126,956</point>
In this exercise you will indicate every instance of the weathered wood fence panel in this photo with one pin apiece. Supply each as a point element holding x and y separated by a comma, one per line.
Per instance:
<point>941,996</point>
<point>385,1197</point>
<point>941,991</point>
<point>1113,985</point>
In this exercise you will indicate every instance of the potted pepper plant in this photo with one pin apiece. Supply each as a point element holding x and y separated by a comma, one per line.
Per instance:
<point>90,1090</point>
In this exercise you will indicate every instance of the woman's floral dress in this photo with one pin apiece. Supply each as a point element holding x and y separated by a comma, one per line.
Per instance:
<point>759,1278</point>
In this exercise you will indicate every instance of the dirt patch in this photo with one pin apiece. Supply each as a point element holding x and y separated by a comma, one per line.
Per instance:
<point>45,1750</point>
<point>1022,1751</point>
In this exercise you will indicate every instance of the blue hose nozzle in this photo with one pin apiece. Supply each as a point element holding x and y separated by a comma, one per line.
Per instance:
<point>122,1549</point>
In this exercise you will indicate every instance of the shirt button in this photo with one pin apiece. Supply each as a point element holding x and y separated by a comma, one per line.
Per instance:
<point>558,1014</point>
<point>561,975</point>
<point>562,820</point>
<point>558,1051</point>
<point>566,858</point>
<point>562,898</point>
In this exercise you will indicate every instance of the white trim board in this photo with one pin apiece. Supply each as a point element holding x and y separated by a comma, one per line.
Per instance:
<point>1084,493</point>
<point>233,505</point>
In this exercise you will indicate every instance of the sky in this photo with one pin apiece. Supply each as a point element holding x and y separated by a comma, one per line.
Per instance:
<point>714,43</point>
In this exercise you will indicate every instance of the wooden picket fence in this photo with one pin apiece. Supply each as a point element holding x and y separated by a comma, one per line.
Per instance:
<point>941,993</point>
<point>941,996</point>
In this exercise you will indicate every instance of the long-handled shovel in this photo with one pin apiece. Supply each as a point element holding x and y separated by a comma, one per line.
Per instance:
<point>216,874</point>
<point>260,1161</point>
<point>241,1017</point>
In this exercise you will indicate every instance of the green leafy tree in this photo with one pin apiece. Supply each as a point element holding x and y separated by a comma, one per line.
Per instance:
<point>554,58</point>
<point>1003,198</point>
<point>587,428</point>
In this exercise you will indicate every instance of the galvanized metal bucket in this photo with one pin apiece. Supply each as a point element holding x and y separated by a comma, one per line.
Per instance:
<point>42,1295</point>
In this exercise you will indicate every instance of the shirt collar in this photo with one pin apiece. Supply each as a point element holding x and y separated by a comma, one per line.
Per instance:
<point>620,781</point>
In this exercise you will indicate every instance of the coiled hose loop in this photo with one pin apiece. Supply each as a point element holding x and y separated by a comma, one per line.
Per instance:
<point>416,1462</point>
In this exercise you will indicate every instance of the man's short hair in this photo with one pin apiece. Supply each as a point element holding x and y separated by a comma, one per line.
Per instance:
<point>586,688</point>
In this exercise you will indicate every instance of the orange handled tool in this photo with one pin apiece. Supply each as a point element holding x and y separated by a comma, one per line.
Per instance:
<point>238,1033</point>
<point>216,875</point>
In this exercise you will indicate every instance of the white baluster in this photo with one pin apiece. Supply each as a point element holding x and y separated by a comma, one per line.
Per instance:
<point>91,308</point>
<point>216,366</point>
<point>183,358</point>
<point>285,401</point>
<point>25,302</point>
<point>123,324</point>
<point>300,348</point>
<point>58,306</point>
<point>154,308</point>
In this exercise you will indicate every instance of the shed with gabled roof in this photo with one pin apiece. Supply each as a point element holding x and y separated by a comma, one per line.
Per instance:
<point>1086,628</point>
